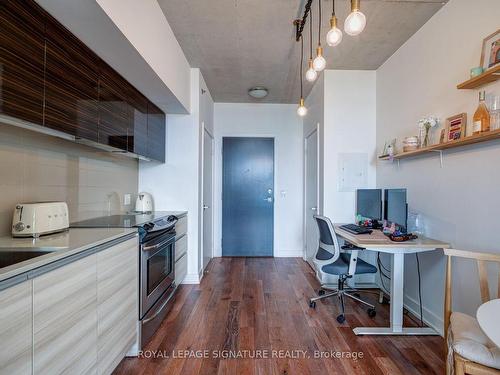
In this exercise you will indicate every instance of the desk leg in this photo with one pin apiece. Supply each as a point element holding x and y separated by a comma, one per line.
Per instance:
<point>396,328</point>
<point>397,282</point>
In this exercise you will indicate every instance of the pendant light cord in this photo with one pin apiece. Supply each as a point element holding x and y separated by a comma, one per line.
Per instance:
<point>319,23</point>
<point>333,8</point>
<point>311,36</point>
<point>301,65</point>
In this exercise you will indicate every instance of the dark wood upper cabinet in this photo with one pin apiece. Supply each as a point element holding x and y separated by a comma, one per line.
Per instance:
<point>115,113</point>
<point>49,77</point>
<point>21,60</point>
<point>156,133</point>
<point>138,130</point>
<point>71,84</point>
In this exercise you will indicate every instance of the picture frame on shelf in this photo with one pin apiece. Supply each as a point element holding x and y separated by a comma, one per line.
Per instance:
<point>490,55</point>
<point>456,127</point>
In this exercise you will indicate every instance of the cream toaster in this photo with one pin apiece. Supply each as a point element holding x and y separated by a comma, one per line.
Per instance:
<point>37,219</point>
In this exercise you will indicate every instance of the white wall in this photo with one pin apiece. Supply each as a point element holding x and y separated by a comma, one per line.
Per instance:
<point>267,120</point>
<point>175,185</point>
<point>459,203</point>
<point>146,27</point>
<point>315,119</point>
<point>350,107</point>
<point>342,104</point>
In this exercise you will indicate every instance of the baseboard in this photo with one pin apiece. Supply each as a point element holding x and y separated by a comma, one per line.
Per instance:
<point>430,318</point>
<point>277,254</point>
<point>289,254</point>
<point>191,278</point>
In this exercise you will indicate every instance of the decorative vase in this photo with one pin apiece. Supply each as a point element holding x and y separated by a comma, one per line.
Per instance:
<point>424,136</point>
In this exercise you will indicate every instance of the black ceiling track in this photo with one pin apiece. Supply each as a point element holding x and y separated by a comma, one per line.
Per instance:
<point>300,23</point>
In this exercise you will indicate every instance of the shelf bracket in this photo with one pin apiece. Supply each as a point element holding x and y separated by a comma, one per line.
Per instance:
<point>440,156</point>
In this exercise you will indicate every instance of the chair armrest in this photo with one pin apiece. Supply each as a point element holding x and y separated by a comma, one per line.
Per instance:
<point>353,262</point>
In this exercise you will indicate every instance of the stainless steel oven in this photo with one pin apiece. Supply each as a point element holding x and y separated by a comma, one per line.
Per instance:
<point>157,281</point>
<point>157,268</point>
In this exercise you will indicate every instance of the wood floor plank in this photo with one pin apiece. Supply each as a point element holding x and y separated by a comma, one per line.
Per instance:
<point>251,316</point>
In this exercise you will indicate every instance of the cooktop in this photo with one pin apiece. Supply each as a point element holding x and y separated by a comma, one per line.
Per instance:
<point>127,220</point>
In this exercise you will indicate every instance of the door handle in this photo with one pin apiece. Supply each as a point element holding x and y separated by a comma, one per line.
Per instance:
<point>314,208</point>
<point>269,199</point>
<point>205,207</point>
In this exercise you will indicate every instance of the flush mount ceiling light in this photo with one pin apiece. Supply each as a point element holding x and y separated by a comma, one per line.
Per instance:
<point>258,92</point>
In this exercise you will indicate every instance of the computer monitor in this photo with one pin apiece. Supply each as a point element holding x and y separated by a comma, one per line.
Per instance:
<point>369,203</point>
<point>396,208</point>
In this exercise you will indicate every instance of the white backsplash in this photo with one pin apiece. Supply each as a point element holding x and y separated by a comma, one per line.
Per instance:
<point>36,167</point>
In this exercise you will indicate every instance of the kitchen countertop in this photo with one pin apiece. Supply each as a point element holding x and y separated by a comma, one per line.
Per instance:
<point>58,246</point>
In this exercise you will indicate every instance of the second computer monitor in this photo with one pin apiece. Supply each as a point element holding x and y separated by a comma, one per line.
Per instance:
<point>369,203</point>
<point>396,208</point>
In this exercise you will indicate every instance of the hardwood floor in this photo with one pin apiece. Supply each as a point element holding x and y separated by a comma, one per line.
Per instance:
<point>247,305</point>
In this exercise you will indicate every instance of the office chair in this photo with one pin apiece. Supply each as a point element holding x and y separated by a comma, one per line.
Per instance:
<point>330,261</point>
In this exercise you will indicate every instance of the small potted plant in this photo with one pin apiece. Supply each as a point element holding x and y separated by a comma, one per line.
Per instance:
<point>425,125</point>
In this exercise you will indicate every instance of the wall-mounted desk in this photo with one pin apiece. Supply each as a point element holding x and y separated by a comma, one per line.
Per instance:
<point>377,241</point>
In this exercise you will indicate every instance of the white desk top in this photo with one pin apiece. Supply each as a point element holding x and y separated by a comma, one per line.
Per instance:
<point>377,240</point>
<point>487,317</point>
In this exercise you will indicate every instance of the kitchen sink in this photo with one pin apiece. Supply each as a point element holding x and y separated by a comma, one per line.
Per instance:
<point>8,258</point>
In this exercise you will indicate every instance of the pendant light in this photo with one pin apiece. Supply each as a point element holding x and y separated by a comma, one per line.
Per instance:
<point>334,36</point>
<point>301,110</point>
<point>356,21</point>
<point>319,62</point>
<point>311,74</point>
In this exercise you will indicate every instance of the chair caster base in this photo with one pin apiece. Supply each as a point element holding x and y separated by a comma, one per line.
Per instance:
<point>341,318</point>
<point>372,313</point>
<point>312,304</point>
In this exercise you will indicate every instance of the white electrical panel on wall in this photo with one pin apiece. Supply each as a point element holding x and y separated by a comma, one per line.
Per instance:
<point>353,170</point>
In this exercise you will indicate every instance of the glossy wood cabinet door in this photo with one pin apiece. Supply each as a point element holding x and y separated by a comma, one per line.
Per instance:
<point>156,133</point>
<point>115,112</point>
<point>117,303</point>
<point>138,131</point>
<point>16,336</point>
<point>21,60</point>
<point>65,319</point>
<point>71,83</point>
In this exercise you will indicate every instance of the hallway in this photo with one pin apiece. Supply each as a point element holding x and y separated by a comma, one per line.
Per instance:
<point>256,309</point>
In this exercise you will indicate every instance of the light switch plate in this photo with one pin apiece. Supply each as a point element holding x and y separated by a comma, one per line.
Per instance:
<point>126,199</point>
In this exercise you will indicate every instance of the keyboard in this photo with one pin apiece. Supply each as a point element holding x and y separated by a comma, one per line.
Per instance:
<point>356,229</point>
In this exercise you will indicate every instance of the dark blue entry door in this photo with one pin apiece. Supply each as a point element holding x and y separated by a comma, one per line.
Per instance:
<point>247,196</point>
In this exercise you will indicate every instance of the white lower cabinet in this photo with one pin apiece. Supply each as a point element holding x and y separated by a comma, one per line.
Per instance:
<point>65,319</point>
<point>16,333</point>
<point>79,318</point>
<point>181,269</point>
<point>181,245</point>
<point>117,303</point>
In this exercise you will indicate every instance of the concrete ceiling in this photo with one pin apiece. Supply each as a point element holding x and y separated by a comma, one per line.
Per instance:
<point>239,44</point>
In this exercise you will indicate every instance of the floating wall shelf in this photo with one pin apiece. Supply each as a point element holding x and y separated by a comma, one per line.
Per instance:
<point>491,75</point>
<point>440,147</point>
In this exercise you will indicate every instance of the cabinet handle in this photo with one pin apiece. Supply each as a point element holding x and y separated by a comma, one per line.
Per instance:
<point>159,309</point>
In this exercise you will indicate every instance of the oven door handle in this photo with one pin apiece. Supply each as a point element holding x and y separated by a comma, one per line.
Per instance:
<point>159,309</point>
<point>154,247</point>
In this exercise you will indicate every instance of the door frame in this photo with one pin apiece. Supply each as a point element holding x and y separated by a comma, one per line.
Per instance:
<point>220,177</point>
<point>202,179</point>
<point>304,218</point>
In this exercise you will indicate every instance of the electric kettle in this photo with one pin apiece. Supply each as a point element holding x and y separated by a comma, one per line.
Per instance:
<point>144,203</point>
